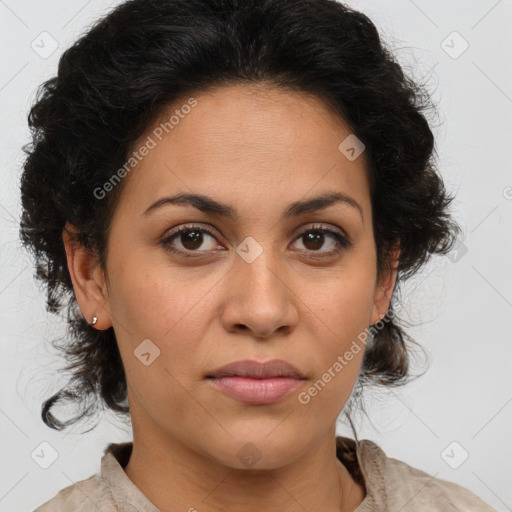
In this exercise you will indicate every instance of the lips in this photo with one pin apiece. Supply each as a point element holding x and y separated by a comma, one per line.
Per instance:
<point>258,370</point>
<point>257,383</point>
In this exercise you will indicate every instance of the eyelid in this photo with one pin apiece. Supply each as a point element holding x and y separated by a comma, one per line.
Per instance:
<point>189,227</point>
<point>300,230</point>
<point>340,235</point>
<point>343,240</point>
<point>321,227</point>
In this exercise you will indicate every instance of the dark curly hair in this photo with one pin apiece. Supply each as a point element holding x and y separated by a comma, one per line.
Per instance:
<point>118,78</point>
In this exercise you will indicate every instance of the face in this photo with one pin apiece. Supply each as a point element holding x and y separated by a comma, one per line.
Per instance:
<point>258,284</point>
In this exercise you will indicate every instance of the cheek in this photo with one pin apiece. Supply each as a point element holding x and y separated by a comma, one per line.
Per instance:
<point>343,320</point>
<point>344,302</point>
<point>339,358</point>
<point>326,394</point>
<point>151,301</point>
<point>159,332</point>
<point>170,309</point>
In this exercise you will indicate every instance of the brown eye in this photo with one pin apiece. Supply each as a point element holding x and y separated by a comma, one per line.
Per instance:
<point>314,240</point>
<point>317,237</point>
<point>191,238</point>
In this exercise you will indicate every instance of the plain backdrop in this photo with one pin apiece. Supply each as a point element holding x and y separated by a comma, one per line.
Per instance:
<point>455,421</point>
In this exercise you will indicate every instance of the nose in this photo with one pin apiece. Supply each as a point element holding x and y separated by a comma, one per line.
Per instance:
<point>259,298</point>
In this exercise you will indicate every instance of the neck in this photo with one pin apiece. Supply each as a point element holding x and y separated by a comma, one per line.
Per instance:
<point>175,477</point>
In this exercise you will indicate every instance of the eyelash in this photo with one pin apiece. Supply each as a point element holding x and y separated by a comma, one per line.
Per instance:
<point>342,241</point>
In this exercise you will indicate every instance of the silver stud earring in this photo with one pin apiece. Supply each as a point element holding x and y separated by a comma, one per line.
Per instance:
<point>94,320</point>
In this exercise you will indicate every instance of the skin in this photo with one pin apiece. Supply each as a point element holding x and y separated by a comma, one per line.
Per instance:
<point>257,149</point>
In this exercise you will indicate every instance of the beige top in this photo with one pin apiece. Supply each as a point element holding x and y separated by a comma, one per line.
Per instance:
<point>391,485</point>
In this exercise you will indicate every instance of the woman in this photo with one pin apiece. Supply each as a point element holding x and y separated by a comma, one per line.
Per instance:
<point>225,195</point>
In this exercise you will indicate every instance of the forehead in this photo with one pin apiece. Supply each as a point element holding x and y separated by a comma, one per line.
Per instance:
<point>244,139</point>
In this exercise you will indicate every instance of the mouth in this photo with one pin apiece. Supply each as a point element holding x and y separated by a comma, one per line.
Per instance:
<point>258,370</point>
<point>257,383</point>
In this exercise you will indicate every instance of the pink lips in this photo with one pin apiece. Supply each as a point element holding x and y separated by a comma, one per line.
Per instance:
<point>257,383</point>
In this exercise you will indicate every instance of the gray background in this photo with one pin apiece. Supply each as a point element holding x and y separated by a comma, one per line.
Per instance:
<point>459,307</point>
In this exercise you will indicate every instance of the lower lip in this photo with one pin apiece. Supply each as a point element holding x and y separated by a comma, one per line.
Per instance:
<point>256,391</point>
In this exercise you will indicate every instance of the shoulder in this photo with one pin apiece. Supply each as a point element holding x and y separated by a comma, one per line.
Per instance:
<point>88,495</point>
<point>109,490</point>
<point>416,489</point>
<point>392,484</point>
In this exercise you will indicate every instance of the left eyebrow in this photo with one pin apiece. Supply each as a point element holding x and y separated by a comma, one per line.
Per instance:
<point>207,204</point>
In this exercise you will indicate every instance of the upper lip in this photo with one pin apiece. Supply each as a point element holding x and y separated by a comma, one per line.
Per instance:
<point>258,370</point>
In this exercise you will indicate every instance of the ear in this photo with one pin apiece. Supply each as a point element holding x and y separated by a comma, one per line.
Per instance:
<point>384,287</point>
<point>88,280</point>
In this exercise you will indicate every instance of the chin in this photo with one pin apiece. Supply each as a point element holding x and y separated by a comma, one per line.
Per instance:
<point>256,450</point>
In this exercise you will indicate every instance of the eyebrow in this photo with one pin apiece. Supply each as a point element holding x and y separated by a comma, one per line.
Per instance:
<point>209,205</point>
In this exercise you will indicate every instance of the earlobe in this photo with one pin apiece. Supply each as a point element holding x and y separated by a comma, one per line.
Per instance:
<point>88,280</point>
<point>384,288</point>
